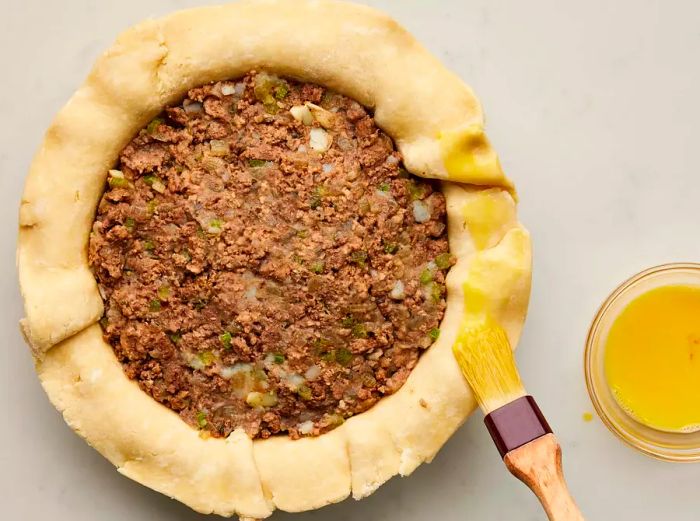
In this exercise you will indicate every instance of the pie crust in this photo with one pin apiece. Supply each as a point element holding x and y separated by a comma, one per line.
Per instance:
<point>437,125</point>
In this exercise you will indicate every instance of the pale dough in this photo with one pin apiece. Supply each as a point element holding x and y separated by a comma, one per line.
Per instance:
<point>437,124</point>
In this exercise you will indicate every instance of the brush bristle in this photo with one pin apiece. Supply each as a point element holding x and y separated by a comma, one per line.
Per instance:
<point>485,357</point>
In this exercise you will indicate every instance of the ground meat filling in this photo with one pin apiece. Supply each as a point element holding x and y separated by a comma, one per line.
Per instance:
<point>266,263</point>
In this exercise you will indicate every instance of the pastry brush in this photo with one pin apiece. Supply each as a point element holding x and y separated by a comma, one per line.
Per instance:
<point>521,434</point>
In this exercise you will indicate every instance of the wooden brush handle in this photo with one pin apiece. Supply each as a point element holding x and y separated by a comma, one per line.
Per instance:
<point>538,465</point>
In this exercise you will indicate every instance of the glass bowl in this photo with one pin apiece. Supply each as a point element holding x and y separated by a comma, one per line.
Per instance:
<point>669,446</point>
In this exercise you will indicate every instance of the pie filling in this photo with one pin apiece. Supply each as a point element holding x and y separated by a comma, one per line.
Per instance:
<point>266,263</point>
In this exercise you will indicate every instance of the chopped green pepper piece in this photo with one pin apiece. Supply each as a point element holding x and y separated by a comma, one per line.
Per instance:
<point>435,292</point>
<point>359,257</point>
<point>149,245</point>
<point>391,248</point>
<point>359,331</point>
<point>278,358</point>
<point>256,163</point>
<point>348,322</point>
<point>317,266</point>
<point>176,338</point>
<point>154,305</point>
<point>264,83</point>
<point>225,339</point>
<point>303,234</point>
<point>256,399</point>
<point>434,334</point>
<point>321,342</point>
<point>315,201</point>
<point>281,91</point>
<point>304,392</point>
<point>415,191</point>
<point>335,420</point>
<point>118,182</point>
<point>215,226</point>
<point>369,380</point>
<point>202,419</point>
<point>129,224</point>
<point>343,356</point>
<point>207,357</point>
<point>317,196</point>
<point>328,356</point>
<point>164,292</point>
<point>445,260</point>
<point>151,206</point>
<point>384,187</point>
<point>426,276</point>
<point>153,125</point>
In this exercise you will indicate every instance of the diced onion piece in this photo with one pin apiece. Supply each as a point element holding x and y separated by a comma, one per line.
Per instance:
<point>421,212</point>
<point>219,147</point>
<point>257,399</point>
<point>228,89</point>
<point>229,372</point>
<point>295,380</point>
<point>312,372</point>
<point>194,107</point>
<point>251,293</point>
<point>213,164</point>
<point>327,168</point>
<point>345,144</point>
<point>319,140</point>
<point>158,186</point>
<point>398,292</point>
<point>215,226</point>
<point>197,363</point>
<point>323,116</point>
<point>116,173</point>
<point>302,114</point>
<point>306,428</point>
<point>392,160</point>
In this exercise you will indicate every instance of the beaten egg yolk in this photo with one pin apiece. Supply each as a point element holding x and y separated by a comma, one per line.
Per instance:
<point>652,359</point>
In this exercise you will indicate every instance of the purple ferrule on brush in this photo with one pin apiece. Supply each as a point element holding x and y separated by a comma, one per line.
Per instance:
<point>515,424</point>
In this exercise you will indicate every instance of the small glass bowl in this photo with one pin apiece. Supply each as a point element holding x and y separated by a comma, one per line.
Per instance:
<point>668,446</point>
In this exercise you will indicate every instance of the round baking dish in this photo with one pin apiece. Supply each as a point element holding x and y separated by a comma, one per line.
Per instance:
<point>668,446</point>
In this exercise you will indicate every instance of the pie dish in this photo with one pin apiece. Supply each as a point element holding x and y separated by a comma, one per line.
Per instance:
<point>437,126</point>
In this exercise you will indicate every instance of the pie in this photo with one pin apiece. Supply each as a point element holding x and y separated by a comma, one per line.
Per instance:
<point>247,244</point>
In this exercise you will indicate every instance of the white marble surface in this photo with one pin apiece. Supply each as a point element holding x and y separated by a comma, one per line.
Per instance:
<point>595,109</point>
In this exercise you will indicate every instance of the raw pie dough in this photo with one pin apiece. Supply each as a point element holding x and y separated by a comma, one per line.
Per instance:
<point>436,123</point>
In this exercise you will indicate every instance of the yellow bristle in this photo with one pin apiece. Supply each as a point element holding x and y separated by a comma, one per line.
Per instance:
<point>485,357</point>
